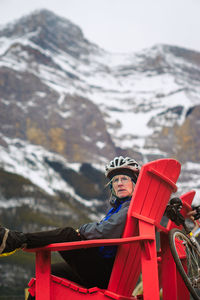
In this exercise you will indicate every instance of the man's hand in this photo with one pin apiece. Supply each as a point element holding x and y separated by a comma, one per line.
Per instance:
<point>195,212</point>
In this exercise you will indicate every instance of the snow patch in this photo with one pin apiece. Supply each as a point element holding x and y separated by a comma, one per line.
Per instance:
<point>28,161</point>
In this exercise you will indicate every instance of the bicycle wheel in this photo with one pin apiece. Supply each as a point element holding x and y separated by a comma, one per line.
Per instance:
<point>187,259</point>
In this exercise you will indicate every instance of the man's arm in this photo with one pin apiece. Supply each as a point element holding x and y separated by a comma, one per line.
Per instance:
<point>111,228</point>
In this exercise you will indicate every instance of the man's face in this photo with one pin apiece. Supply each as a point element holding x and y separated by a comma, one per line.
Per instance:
<point>123,186</point>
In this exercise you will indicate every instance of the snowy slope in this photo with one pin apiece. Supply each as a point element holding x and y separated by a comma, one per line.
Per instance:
<point>127,97</point>
<point>29,161</point>
<point>138,93</point>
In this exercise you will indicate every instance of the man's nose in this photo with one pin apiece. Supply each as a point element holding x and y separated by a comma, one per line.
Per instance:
<point>119,181</point>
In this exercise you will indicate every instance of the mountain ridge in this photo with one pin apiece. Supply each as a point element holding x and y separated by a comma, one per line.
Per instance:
<point>41,26</point>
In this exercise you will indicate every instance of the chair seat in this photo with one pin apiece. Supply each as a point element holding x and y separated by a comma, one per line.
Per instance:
<point>75,291</point>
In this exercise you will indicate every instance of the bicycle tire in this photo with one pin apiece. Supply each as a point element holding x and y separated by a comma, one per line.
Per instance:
<point>180,244</point>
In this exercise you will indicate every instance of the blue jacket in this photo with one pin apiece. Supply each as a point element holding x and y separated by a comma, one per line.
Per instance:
<point>111,226</point>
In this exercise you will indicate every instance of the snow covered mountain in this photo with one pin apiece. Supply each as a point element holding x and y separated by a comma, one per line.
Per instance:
<point>77,103</point>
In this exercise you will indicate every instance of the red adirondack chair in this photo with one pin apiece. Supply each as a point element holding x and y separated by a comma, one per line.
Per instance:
<point>136,250</point>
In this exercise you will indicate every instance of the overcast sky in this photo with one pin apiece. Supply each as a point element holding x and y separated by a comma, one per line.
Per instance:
<point>121,25</point>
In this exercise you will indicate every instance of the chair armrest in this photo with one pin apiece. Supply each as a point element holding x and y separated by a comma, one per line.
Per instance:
<point>91,243</point>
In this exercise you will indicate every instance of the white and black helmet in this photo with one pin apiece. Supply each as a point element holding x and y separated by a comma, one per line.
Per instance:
<point>122,165</point>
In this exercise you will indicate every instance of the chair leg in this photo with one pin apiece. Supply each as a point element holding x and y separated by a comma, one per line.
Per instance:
<point>43,270</point>
<point>168,275</point>
<point>172,283</point>
<point>149,264</point>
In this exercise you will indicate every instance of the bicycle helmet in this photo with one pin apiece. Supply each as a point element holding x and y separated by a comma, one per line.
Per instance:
<point>122,166</point>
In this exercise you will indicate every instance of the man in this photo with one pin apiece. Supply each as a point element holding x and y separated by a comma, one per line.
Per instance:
<point>92,266</point>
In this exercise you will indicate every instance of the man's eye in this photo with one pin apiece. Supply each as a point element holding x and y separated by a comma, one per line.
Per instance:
<point>124,178</point>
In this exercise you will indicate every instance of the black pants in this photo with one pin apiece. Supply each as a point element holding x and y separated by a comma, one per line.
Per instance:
<point>83,266</point>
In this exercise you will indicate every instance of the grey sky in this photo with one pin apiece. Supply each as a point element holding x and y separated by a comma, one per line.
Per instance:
<point>121,25</point>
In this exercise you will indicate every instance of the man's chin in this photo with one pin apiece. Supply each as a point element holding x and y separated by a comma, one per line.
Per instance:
<point>122,194</point>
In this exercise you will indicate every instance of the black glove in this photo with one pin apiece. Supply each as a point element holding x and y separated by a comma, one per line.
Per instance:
<point>173,211</point>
